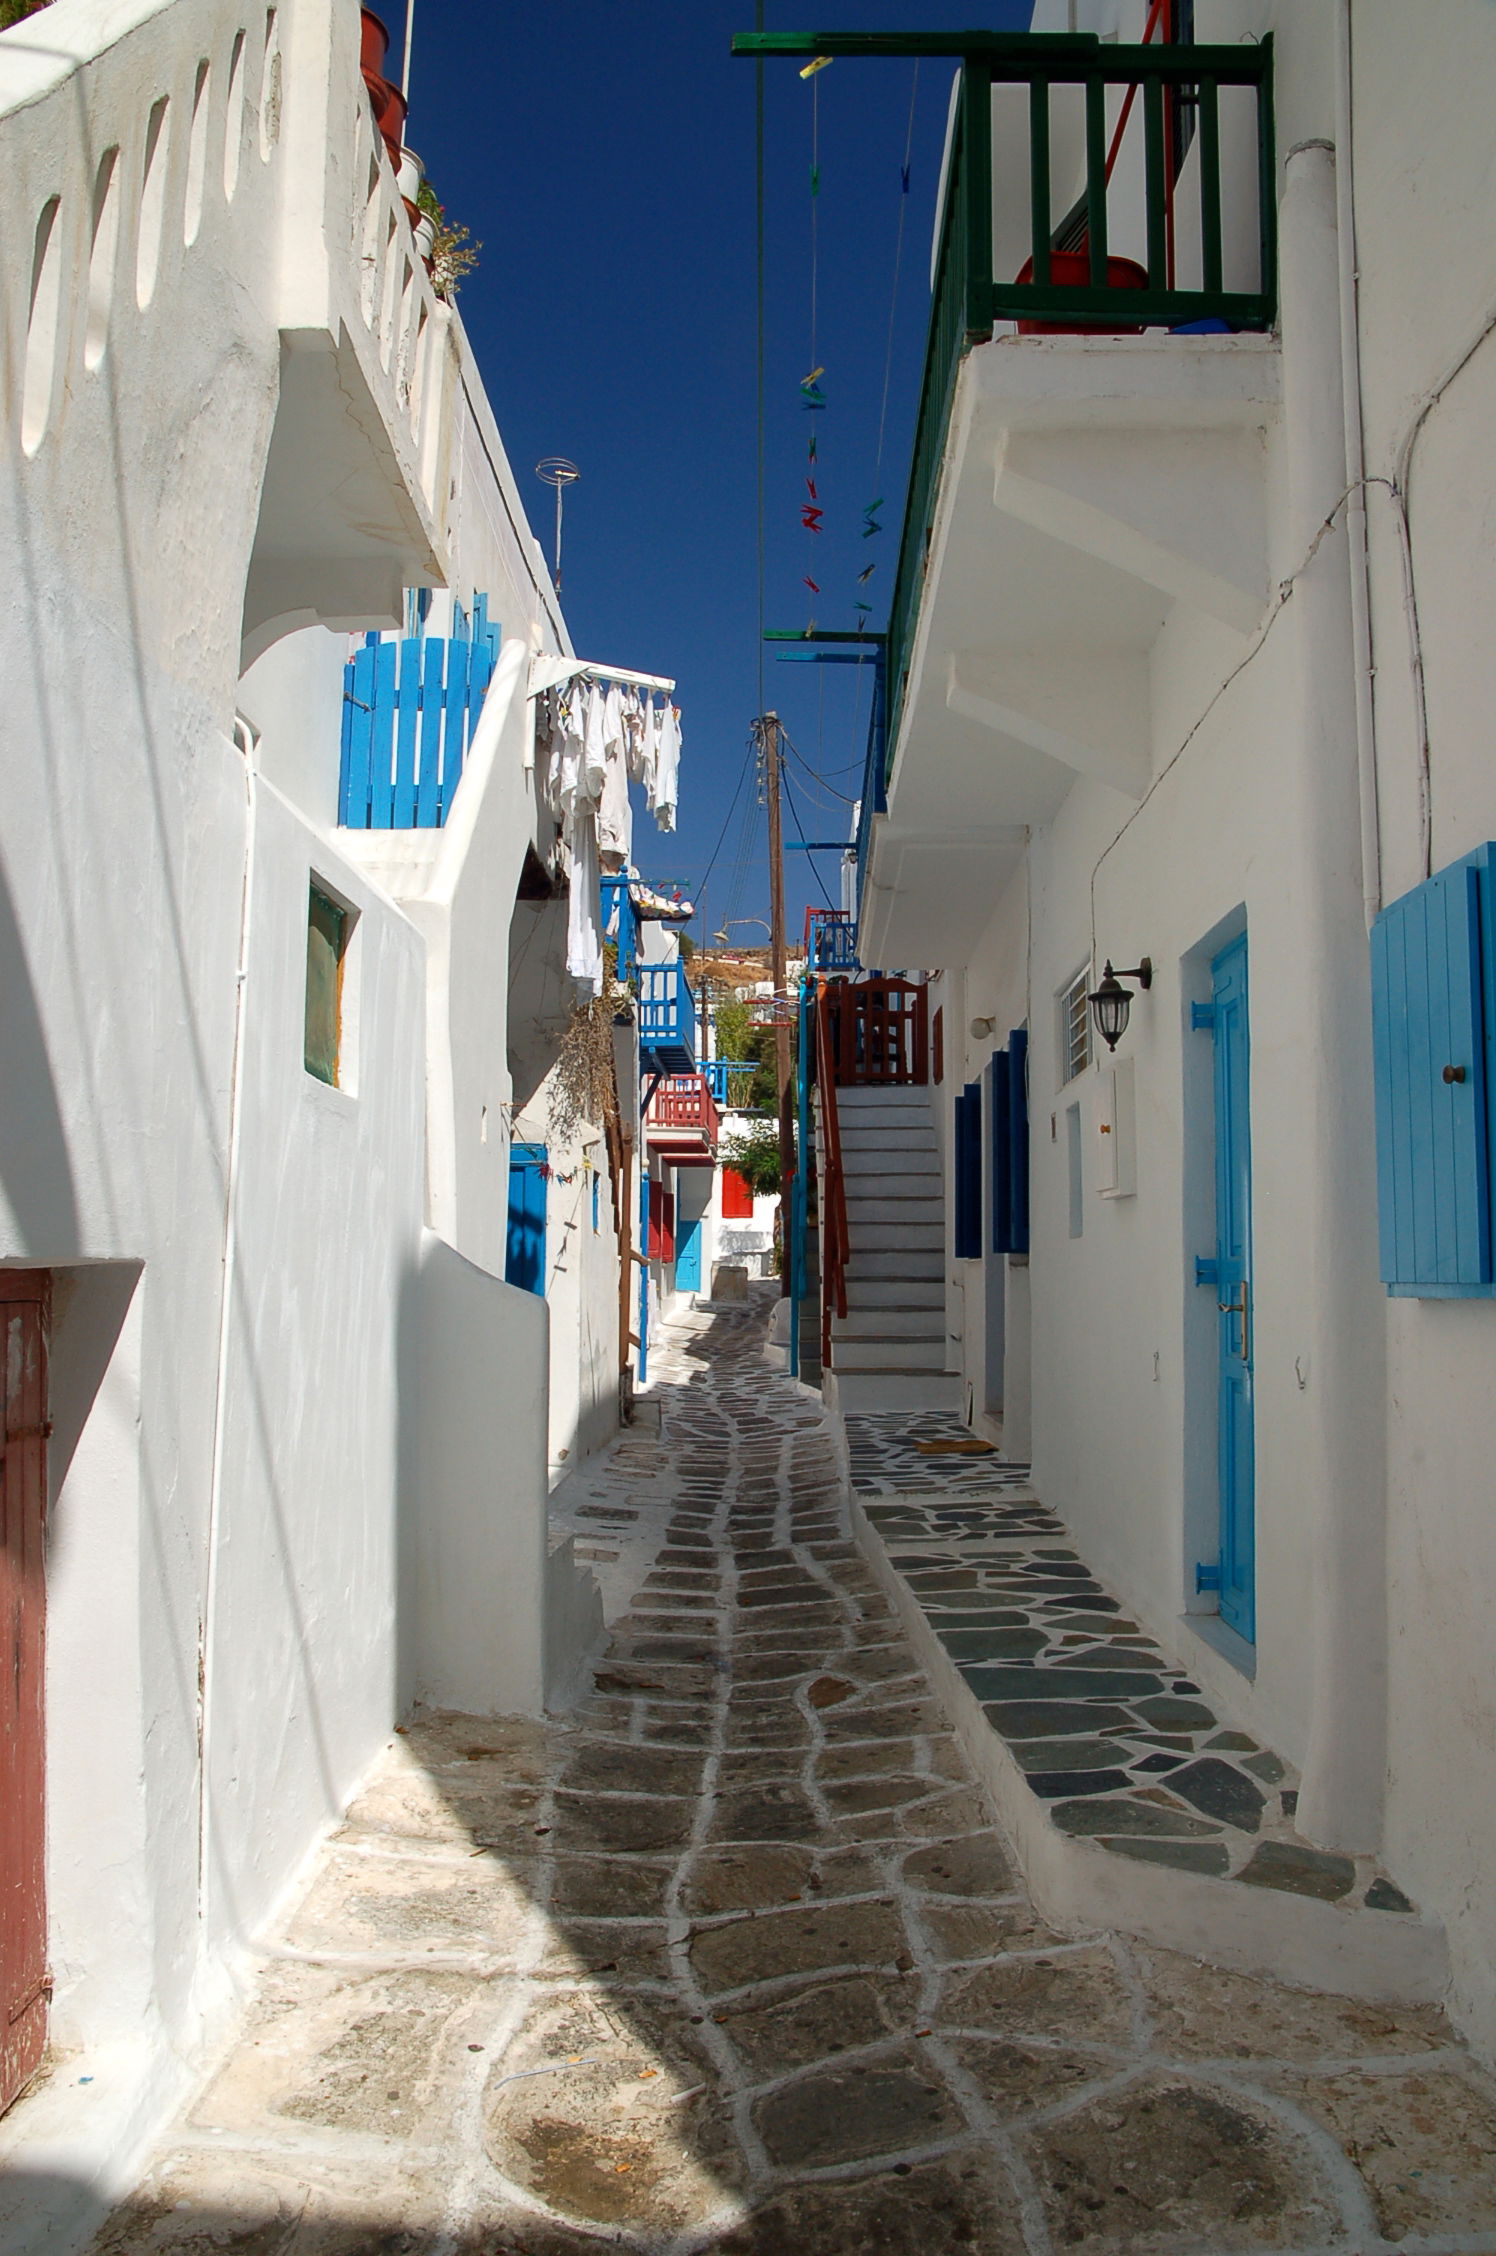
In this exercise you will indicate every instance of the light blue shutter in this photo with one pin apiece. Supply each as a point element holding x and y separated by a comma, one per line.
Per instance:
<point>1432,1162</point>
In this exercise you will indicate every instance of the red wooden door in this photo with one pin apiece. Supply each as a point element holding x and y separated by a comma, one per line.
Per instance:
<point>25,1307</point>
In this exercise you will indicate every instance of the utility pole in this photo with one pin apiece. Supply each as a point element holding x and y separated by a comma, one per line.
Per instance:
<point>783,1072</point>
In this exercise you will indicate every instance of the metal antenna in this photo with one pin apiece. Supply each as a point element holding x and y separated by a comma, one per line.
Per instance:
<point>558,472</point>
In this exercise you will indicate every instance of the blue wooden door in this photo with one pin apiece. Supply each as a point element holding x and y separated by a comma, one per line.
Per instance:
<point>524,1259</point>
<point>1233,1271</point>
<point>688,1255</point>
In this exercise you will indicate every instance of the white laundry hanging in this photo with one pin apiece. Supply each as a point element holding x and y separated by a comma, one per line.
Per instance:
<point>665,790</point>
<point>584,939</point>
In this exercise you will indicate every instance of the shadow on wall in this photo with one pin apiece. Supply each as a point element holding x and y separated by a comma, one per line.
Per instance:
<point>36,1176</point>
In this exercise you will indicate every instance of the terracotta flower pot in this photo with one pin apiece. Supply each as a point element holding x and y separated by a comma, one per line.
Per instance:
<point>389,112</point>
<point>1072,270</point>
<point>375,41</point>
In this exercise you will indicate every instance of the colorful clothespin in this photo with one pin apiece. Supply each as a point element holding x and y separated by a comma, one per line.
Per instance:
<point>870,523</point>
<point>863,577</point>
<point>811,584</point>
<point>819,64</point>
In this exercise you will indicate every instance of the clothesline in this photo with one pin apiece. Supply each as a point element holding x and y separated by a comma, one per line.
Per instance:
<point>592,739</point>
<point>549,673</point>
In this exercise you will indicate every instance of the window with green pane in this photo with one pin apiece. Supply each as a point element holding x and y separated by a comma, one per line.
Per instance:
<point>327,929</point>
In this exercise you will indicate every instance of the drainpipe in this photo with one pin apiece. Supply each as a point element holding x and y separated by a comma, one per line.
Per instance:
<point>247,740</point>
<point>1330,1314</point>
<point>1355,469</point>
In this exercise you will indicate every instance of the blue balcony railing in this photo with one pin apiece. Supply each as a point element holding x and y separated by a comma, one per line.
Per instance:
<point>410,707</point>
<point>719,1071</point>
<point>830,940</point>
<point>667,1019</point>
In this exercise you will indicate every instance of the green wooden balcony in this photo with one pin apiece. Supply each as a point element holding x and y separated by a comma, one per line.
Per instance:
<point>1191,208</point>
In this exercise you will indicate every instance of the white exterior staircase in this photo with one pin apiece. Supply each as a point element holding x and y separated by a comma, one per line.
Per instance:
<point>888,1351</point>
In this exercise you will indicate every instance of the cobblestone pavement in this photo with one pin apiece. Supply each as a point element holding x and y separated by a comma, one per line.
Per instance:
<point>1116,1739</point>
<point>733,1960</point>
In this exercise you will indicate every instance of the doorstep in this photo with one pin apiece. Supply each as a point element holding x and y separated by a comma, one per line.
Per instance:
<point>1131,1802</point>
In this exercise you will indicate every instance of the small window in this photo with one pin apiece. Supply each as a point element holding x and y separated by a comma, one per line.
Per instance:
<point>327,929</point>
<point>1075,1026</point>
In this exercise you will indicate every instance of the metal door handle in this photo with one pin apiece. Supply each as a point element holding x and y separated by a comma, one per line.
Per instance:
<point>1454,1073</point>
<point>1241,1308</point>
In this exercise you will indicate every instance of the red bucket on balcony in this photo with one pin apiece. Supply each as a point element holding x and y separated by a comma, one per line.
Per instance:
<point>1072,270</point>
<point>389,112</point>
<point>374,37</point>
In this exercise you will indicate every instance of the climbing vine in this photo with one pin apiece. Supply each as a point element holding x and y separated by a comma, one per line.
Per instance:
<point>583,1086</point>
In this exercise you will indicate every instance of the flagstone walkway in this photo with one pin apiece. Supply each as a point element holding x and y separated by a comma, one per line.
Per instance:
<point>732,1959</point>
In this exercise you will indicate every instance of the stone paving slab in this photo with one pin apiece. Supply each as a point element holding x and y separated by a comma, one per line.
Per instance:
<point>1113,1735</point>
<point>733,1961</point>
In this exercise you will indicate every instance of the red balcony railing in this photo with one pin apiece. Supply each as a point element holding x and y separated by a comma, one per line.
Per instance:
<point>682,1109</point>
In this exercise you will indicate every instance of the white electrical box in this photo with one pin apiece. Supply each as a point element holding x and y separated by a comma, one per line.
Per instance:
<point>1116,1132</point>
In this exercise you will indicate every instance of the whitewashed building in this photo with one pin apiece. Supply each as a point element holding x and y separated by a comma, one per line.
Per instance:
<point>1189,671</point>
<point>277,1428</point>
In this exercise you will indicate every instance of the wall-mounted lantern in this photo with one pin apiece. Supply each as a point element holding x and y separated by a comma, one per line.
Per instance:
<point>1112,1002</point>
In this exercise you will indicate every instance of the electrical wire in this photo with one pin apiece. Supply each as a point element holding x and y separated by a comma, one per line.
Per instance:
<point>794,812</point>
<point>726,819</point>
<point>847,799</point>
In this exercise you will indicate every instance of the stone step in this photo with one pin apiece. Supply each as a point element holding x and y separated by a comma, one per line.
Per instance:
<point>851,1391</point>
<point>900,1146</point>
<point>1213,1866</point>
<point>906,1120</point>
<point>876,1158</point>
<point>866,1352</point>
<point>899,1237</point>
<point>920,1264</point>
<point>888,1292</point>
<point>885,1206</point>
<point>891,1097</point>
<point>891,1321</point>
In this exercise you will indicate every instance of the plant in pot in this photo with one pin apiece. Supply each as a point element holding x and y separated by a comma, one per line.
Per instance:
<point>16,11</point>
<point>452,253</point>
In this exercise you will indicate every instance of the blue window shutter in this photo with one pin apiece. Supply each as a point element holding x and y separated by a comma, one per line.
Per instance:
<point>1018,1139</point>
<point>968,1140</point>
<point>1001,1146</point>
<point>1433,1168</point>
<point>524,1258</point>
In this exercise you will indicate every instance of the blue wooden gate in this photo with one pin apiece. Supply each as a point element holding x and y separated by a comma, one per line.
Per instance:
<point>1233,1282</point>
<point>409,711</point>
<point>524,1258</point>
<point>688,1254</point>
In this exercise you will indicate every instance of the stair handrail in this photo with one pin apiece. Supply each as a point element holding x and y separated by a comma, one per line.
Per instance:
<point>833,1202</point>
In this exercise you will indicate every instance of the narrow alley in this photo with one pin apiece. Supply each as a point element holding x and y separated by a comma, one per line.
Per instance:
<point>732,1958</point>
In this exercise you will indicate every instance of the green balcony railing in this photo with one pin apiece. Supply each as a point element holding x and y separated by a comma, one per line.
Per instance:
<point>1180,88</point>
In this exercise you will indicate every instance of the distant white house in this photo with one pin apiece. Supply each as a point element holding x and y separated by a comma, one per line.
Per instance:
<point>283,992</point>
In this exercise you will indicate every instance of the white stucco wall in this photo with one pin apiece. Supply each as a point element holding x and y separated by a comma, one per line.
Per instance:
<point>274,1391</point>
<point>1373,1419</point>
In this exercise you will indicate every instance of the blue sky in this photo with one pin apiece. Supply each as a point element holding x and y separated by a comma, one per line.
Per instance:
<point>603,154</point>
